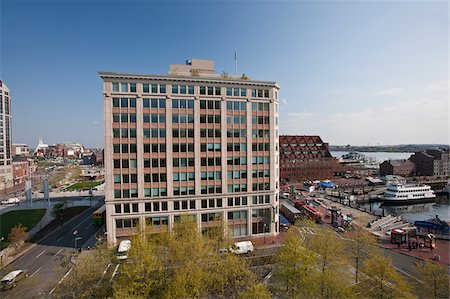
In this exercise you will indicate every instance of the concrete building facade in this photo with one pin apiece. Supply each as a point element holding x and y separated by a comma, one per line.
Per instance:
<point>190,143</point>
<point>6,168</point>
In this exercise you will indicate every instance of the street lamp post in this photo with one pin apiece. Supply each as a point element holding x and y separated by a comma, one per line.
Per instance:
<point>265,225</point>
<point>1,257</point>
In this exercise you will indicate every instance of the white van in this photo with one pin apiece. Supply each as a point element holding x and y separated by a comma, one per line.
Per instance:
<point>242,247</point>
<point>285,195</point>
<point>124,246</point>
<point>10,280</point>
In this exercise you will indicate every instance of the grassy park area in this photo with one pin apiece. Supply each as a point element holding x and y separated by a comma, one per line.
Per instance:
<point>83,186</point>
<point>29,218</point>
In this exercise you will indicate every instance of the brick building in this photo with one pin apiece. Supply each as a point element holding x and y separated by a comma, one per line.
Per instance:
<point>305,158</point>
<point>397,167</point>
<point>431,162</point>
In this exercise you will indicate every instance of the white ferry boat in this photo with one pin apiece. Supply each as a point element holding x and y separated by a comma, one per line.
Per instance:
<point>399,194</point>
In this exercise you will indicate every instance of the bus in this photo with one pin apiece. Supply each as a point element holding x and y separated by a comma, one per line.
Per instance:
<point>98,217</point>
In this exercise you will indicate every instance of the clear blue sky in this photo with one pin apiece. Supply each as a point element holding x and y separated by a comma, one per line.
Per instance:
<point>352,72</point>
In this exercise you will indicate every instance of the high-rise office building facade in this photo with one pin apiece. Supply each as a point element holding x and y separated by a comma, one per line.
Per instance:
<point>190,143</point>
<point>6,168</point>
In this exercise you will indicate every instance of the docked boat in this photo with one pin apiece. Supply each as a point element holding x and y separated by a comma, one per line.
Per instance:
<point>401,194</point>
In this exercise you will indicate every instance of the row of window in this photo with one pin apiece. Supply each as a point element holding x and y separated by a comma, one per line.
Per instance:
<point>236,92</point>
<point>154,88</point>
<point>261,186</point>
<point>154,118</point>
<point>124,117</point>
<point>265,173</point>
<point>211,175</point>
<point>210,147</point>
<point>182,89</point>
<point>236,133</point>
<point>237,174</point>
<point>210,119</point>
<point>210,133</point>
<point>261,147</point>
<point>183,118</point>
<point>260,133</point>
<point>124,133</point>
<point>183,104</point>
<point>210,104</point>
<point>182,133</point>
<point>124,102</point>
<point>183,162</point>
<point>260,106</point>
<point>260,120</point>
<point>125,163</point>
<point>236,119</point>
<point>183,176</point>
<point>154,133</point>
<point>237,105</point>
<point>155,177</point>
<point>125,178</point>
<point>236,161</point>
<point>189,89</point>
<point>183,147</point>
<point>235,188</point>
<point>183,190</point>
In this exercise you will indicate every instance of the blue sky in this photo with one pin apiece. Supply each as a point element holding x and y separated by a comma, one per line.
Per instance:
<point>352,72</point>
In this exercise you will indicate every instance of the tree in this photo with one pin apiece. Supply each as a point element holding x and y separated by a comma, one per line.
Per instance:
<point>435,280</point>
<point>182,264</point>
<point>58,210</point>
<point>360,246</point>
<point>18,235</point>
<point>256,291</point>
<point>383,280</point>
<point>297,268</point>
<point>88,279</point>
<point>332,258</point>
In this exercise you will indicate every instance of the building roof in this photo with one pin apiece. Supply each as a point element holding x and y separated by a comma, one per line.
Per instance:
<point>220,80</point>
<point>399,162</point>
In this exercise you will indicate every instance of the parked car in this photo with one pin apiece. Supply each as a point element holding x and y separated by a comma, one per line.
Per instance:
<point>9,201</point>
<point>11,279</point>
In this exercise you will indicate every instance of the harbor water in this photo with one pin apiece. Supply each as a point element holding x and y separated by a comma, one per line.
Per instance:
<point>409,213</point>
<point>378,157</point>
<point>413,212</point>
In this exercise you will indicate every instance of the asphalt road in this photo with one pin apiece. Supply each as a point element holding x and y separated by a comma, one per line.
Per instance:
<point>49,260</point>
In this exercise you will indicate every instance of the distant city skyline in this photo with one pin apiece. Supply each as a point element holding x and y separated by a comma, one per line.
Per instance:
<point>354,73</point>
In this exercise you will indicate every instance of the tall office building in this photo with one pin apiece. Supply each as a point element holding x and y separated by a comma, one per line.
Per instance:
<point>190,143</point>
<point>6,168</point>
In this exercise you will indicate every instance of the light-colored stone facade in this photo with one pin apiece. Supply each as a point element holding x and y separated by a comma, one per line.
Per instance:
<point>199,144</point>
<point>6,168</point>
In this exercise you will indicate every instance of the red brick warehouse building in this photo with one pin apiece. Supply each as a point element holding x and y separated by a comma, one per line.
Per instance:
<point>305,158</point>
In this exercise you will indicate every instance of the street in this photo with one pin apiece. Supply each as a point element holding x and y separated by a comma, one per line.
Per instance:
<point>49,260</point>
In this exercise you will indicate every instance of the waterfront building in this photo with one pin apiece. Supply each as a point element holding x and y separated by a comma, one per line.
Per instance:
<point>433,162</point>
<point>190,143</point>
<point>6,168</point>
<point>305,158</point>
<point>403,168</point>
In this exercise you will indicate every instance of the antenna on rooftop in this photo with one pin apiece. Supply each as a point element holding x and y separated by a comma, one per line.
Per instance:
<point>235,62</point>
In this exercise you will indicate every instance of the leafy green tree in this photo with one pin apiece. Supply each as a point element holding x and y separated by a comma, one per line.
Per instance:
<point>332,258</point>
<point>87,278</point>
<point>297,267</point>
<point>383,280</point>
<point>18,235</point>
<point>435,280</point>
<point>360,246</point>
<point>183,264</point>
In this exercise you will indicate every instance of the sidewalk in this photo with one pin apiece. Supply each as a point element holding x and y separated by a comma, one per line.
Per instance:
<point>442,249</point>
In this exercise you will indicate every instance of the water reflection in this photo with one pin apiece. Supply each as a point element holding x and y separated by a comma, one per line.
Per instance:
<point>413,212</point>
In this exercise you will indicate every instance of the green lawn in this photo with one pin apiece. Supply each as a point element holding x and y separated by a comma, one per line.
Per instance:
<point>83,186</point>
<point>29,218</point>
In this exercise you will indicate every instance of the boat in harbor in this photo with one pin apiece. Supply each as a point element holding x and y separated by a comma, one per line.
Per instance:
<point>404,194</point>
